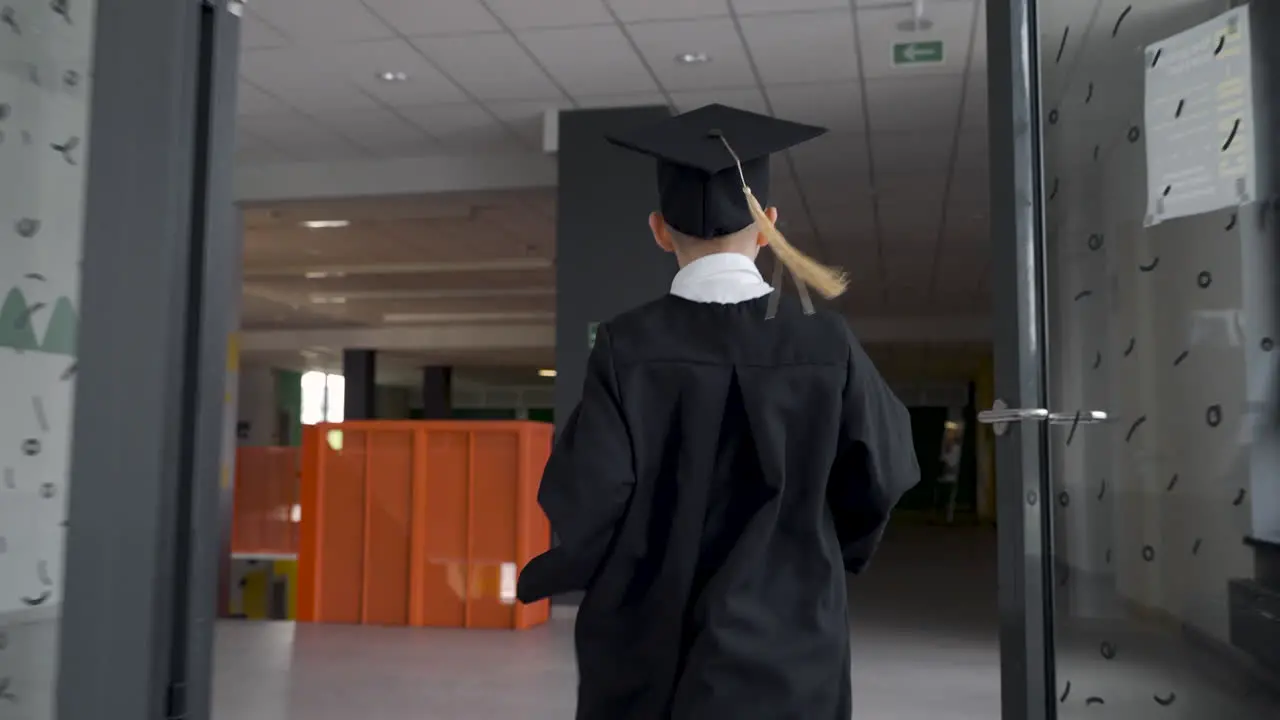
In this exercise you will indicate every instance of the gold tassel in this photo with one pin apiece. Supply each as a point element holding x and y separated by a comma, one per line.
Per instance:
<point>829,282</point>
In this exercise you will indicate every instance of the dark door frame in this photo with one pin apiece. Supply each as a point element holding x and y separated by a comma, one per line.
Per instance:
<point>1018,297</point>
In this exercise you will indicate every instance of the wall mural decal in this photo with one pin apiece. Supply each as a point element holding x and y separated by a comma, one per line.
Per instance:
<point>45,85</point>
<point>1167,478</point>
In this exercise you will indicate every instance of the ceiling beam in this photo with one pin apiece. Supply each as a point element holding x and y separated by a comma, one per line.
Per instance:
<point>412,268</point>
<point>542,336</point>
<point>423,338</point>
<point>403,176</point>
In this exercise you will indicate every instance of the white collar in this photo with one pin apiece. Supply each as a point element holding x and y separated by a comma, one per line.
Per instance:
<point>725,278</point>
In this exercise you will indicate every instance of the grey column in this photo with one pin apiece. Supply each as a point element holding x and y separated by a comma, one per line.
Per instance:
<point>158,285</point>
<point>606,261</point>
<point>437,393</point>
<point>359,372</point>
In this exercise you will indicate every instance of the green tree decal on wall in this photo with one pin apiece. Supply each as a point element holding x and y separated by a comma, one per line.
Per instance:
<point>15,325</point>
<point>64,326</point>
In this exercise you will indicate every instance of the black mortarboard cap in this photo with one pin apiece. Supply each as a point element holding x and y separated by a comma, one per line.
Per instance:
<point>699,188</point>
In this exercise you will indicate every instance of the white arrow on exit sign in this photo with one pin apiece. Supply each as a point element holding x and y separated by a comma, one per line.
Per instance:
<point>928,52</point>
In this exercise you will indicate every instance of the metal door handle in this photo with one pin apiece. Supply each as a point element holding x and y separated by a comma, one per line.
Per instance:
<point>1008,415</point>
<point>1082,417</point>
<point>1000,415</point>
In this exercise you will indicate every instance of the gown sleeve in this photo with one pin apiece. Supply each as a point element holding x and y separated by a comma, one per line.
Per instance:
<point>586,485</point>
<point>875,463</point>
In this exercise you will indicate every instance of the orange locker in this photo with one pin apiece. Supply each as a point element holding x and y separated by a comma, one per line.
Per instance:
<point>423,524</point>
<point>266,505</point>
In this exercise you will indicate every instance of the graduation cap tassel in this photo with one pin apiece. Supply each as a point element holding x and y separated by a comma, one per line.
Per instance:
<point>829,282</point>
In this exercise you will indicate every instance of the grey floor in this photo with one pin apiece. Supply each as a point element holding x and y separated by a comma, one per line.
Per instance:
<point>924,639</point>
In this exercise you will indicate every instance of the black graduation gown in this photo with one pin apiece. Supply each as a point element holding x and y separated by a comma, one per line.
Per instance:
<point>720,475</point>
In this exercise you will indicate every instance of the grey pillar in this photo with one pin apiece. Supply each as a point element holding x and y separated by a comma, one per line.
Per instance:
<point>158,286</point>
<point>359,372</point>
<point>606,261</point>
<point>437,393</point>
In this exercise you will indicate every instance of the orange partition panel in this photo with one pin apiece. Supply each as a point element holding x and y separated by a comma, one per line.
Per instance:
<point>421,523</point>
<point>387,502</point>
<point>266,501</point>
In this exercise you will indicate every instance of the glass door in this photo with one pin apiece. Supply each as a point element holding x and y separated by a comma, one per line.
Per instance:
<point>1135,288</point>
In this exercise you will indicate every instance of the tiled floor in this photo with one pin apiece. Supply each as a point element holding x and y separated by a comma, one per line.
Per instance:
<point>924,639</point>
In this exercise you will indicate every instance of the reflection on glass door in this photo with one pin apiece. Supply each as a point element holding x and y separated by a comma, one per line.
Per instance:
<point>45,51</point>
<point>1160,302</point>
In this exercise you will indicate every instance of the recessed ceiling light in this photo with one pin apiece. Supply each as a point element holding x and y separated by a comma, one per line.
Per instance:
<point>328,300</point>
<point>693,58</point>
<point>323,224</point>
<point>547,373</point>
<point>393,76</point>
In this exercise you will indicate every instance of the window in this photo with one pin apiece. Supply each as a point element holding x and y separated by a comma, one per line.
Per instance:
<point>323,397</point>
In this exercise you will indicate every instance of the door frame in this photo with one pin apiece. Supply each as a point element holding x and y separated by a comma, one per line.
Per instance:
<point>1018,292</point>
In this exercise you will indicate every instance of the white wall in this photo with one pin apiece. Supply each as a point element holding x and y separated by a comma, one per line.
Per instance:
<point>1155,350</point>
<point>256,410</point>
<point>41,209</point>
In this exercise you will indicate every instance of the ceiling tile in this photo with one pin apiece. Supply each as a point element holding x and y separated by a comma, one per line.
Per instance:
<point>975,101</point>
<point>296,76</point>
<point>525,117</point>
<point>802,47</point>
<point>662,42</point>
<point>917,152</point>
<point>833,154</point>
<point>491,67</point>
<point>309,21</point>
<point>902,189</point>
<point>978,54</point>
<point>835,106</point>
<point>970,193</point>
<point>908,265</point>
<point>252,101</point>
<point>524,15</point>
<point>364,62</point>
<point>590,60</point>
<point>462,127</point>
<point>253,150</point>
<point>381,132</point>
<point>620,101</point>
<point>765,7</point>
<point>256,33</point>
<point>841,222</point>
<point>952,25</point>
<point>748,99</point>
<point>792,216</point>
<point>639,10</point>
<point>909,217</point>
<point>301,137</point>
<point>420,18</point>
<point>916,103</point>
<point>838,189</point>
<point>971,153</point>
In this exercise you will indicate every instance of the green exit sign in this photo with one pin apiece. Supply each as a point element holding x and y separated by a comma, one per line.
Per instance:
<point>927,52</point>
<point>591,334</point>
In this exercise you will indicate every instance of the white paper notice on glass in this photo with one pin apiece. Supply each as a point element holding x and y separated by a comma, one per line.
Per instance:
<point>1199,120</point>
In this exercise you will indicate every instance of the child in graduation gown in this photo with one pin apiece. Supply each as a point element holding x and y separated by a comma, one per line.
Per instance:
<point>734,454</point>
